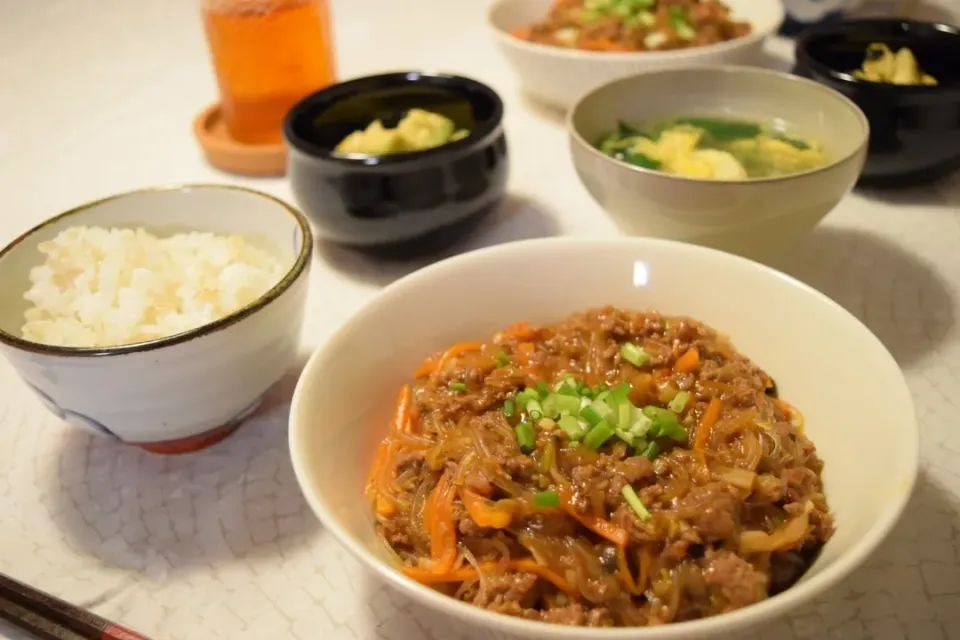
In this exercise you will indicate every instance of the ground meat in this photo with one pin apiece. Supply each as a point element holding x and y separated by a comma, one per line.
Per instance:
<point>508,590</point>
<point>735,580</point>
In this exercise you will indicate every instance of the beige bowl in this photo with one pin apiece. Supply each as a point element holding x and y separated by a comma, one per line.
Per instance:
<point>559,76</point>
<point>756,218</point>
<point>823,359</point>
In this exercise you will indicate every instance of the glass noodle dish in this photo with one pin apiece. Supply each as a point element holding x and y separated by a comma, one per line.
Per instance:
<point>635,25</point>
<point>714,148</point>
<point>617,468</point>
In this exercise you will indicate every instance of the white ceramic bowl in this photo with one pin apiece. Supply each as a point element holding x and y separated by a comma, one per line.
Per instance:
<point>559,76</point>
<point>186,391</point>
<point>856,403</point>
<point>756,218</point>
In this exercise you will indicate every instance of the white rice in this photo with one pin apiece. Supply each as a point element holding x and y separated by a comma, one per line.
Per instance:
<point>106,287</point>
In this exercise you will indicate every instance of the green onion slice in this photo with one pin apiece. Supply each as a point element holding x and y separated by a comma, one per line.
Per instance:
<point>572,427</point>
<point>634,354</point>
<point>534,409</point>
<point>509,408</point>
<point>502,359</point>
<point>526,437</point>
<point>458,386</point>
<point>546,500</point>
<point>599,434</point>
<point>679,402</point>
<point>651,451</point>
<point>635,503</point>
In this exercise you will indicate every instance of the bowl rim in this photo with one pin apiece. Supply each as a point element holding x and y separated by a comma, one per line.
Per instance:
<point>299,266</point>
<point>776,76</point>
<point>753,37</point>
<point>336,92</point>
<point>847,79</point>
<point>752,616</point>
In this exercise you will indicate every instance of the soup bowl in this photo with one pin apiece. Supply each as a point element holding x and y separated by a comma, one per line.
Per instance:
<point>402,204</point>
<point>758,218</point>
<point>914,130</point>
<point>346,396</point>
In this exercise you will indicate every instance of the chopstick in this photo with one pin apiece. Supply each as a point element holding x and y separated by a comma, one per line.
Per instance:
<point>34,624</point>
<point>50,618</point>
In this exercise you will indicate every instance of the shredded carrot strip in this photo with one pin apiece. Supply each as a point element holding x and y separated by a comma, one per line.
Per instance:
<point>495,515</point>
<point>518,331</point>
<point>644,560</point>
<point>531,566</point>
<point>688,362</point>
<point>439,361</point>
<point>455,351</point>
<point>429,366</point>
<point>707,420</point>
<point>386,477</point>
<point>601,44</point>
<point>624,568</point>
<point>402,422</point>
<point>425,576</point>
<point>786,408</point>
<point>601,527</point>
<point>441,525</point>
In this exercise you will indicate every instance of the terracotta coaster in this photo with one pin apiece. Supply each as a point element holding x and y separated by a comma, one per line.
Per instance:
<point>231,156</point>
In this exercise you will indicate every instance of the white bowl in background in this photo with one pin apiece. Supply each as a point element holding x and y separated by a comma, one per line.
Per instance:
<point>823,360</point>
<point>186,391</point>
<point>558,76</point>
<point>756,218</point>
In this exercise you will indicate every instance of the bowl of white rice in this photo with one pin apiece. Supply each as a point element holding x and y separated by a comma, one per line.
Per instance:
<point>158,317</point>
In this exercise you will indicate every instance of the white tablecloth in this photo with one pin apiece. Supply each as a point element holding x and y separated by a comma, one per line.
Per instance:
<point>97,96</point>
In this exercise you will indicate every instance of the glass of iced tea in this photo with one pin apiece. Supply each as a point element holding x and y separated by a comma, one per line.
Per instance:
<point>267,54</point>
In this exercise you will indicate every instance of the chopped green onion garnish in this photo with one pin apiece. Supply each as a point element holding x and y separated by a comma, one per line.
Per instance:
<point>598,435</point>
<point>534,410</point>
<point>567,404</point>
<point>627,437</point>
<point>625,415</point>
<point>526,437</point>
<point>567,388</point>
<point>634,501</point>
<point>651,451</point>
<point>572,427</point>
<point>634,354</point>
<point>665,423</point>
<point>458,386</point>
<point>590,415</point>
<point>603,408</point>
<point>620,392</point>
<point>546,500</point>
<point>641,426</point>
<point>502,359</point>
<point>543,389</point>
<point>526,396</point>
<point>679,402</point>
<point>509,408</point>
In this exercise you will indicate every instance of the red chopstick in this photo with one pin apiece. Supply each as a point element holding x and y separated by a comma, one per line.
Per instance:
<point>50,618</point>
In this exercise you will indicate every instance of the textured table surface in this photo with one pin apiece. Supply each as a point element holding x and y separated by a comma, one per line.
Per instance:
<point>97,96</point>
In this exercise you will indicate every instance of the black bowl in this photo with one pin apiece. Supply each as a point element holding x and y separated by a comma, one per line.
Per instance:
<point>397,205</point>
<point>914,130</point>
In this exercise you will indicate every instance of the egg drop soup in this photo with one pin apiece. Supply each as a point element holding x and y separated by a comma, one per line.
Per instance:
<point>714,148</point>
